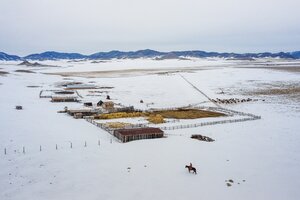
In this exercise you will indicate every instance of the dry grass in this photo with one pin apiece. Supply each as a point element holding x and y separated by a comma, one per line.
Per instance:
<point>188,114</point>
<point>157,117</point>
<point>118,115</point>
<point>117,124</point>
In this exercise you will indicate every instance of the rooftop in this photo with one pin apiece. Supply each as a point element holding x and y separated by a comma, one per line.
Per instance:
<point>138,131</point>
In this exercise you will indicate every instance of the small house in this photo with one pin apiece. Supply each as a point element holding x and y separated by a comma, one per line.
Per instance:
<point>100,103</point>
<point>80,113</point>
<point>88,104</point>
<point>108,105</point>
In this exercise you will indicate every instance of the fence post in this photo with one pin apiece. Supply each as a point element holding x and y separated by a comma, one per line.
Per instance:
<point>56,146</point>
<point>40,147</point>
<point>71,145</point>
<point>99,142</point>
<point>24,150</point>
<point>85,144</point>
<point>4,151</point>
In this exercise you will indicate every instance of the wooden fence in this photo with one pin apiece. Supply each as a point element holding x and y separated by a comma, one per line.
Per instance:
<point>209,123</point>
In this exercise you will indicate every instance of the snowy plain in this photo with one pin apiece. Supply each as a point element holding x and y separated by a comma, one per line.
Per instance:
<point>262,157</point>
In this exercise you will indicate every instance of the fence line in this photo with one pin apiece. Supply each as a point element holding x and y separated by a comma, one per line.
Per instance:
<point>249,117</point>
<point>209,123</point>
<point>41,148</point>
<point>199,91</point>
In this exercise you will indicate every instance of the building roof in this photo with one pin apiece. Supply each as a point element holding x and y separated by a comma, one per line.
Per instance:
<point>81,86</point>
<point>63,97</point>
<point>139,131</point>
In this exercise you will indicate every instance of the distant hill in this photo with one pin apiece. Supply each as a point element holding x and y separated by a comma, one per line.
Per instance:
<point>52,55</point>
<point>35,64</point>
<point>296,54</point>
<point>148,53</point>
<point>4,56</point>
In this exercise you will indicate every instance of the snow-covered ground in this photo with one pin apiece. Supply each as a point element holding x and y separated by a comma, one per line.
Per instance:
<point>262,157</point>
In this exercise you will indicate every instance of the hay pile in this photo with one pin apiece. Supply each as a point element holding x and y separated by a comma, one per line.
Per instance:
<point>156,119</point>
<point>120,115</point>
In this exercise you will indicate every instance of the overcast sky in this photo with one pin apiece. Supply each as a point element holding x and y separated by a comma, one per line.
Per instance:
<point>89,26</point>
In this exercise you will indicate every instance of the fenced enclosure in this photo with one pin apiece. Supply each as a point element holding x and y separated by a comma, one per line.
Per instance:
<point>228,112</point>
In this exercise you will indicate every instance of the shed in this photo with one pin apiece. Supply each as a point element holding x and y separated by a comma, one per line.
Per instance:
<point>80,87</point>
<point>100,103</point>
<point>127,135</point>
<point>64,99</point>
<point>79,113</point>
<point>88,104</point>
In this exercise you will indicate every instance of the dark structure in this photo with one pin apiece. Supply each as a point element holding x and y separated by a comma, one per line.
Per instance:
<point>127,135</point>
<point>88,104</point>
<point>64,99</point>
<point>202,138</point>
<point>125,109</point>
<point>100,103</point>
<point>80,113</point>
<point>19,108</point>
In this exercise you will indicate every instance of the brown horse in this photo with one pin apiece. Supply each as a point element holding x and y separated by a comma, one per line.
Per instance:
<point>190,168</point>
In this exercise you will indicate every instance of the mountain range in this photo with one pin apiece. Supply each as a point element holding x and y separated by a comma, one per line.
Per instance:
<point>147,53</point>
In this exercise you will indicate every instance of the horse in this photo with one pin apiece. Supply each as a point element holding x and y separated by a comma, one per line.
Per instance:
<point>190,168</point>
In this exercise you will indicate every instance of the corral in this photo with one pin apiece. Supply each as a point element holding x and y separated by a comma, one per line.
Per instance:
<point>127,135</point>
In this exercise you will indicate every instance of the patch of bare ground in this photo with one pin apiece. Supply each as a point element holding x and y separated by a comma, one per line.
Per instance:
<point>288,69</point>
<point>24,71</point>
<point>292,69</point>
<point>278,91</point>
<point>33,86</point>
<point>36,64</point>
<point>130,72</point>
<point>288,90</point>
<point>3,73</point>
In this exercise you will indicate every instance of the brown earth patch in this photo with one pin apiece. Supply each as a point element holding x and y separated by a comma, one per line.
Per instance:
<point>24,71</point>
